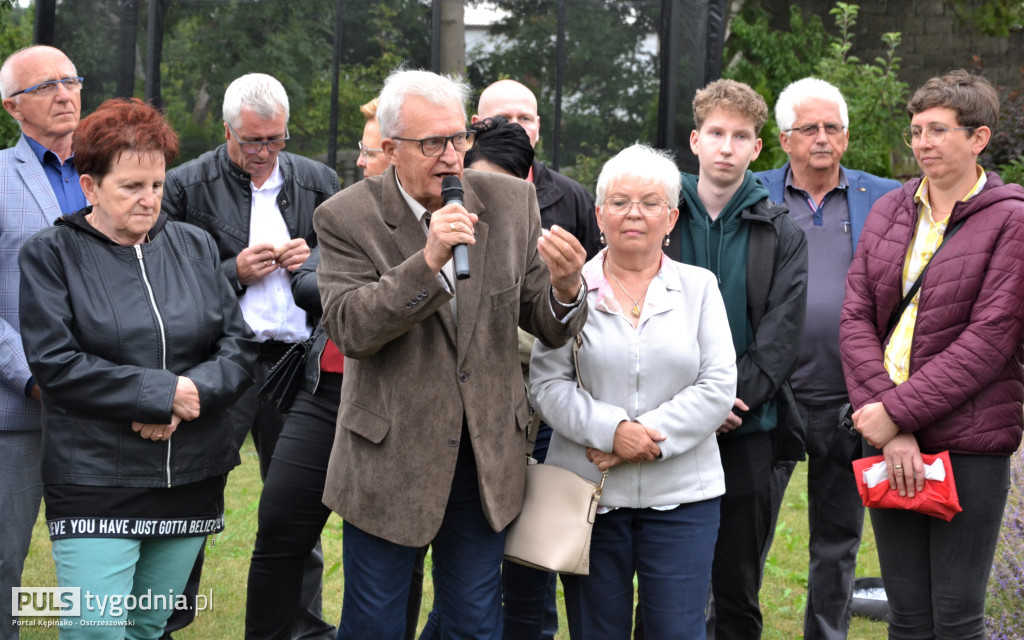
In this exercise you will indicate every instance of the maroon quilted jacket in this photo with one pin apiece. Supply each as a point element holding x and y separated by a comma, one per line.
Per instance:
<point>966,384</point>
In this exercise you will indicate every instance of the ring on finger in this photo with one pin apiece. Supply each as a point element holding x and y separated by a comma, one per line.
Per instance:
<point>899,466</point>
<point>452,226</point>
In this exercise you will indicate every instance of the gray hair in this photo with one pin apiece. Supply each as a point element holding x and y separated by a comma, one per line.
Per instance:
<point>644,164</point>
<point>7,86</point>
<point>800,92</point>
<point>406,83</point>
<point>257,92</point>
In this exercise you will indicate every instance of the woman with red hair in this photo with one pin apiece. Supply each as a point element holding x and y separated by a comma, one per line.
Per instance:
<point>138,345</point>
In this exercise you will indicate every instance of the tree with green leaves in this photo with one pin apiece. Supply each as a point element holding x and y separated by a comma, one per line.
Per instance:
<point>609,97</point>
<point>769,60</point>
<point>15,33</point>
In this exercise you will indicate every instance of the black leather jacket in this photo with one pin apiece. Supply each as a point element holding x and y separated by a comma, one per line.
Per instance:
<point>565,202</point>
<point>212,193</point>
<point>108,329</point>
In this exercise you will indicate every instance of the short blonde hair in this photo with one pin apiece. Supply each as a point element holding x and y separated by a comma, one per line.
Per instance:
<point>369,110</point>
<point>732,96</point>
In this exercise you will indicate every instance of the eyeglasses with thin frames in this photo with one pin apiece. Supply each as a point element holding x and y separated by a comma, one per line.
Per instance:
<point>49,88</point>
<point>649,207</point>
<point>811,130</point>
<point>253,147</point>
<point>936,133</point>
<point>367,152</point>
<point>435,145</point>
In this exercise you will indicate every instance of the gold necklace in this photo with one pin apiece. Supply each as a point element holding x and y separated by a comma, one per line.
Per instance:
<point>635,311</point>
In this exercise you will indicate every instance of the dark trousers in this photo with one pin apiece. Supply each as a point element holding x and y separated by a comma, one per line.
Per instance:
<point>670,554</point>
<point>466,556</point>
<point>936,572</point>
<point>742,536</point>
<point>835,517</point>
<point>291,514</point>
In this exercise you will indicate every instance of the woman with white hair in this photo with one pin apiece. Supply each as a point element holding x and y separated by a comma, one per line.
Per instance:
<point>656,378</point>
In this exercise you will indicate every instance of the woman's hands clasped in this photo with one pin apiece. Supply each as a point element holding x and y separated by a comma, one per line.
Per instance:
<point>902,455</point>
<point>185,406</point>
<point>634,443</point>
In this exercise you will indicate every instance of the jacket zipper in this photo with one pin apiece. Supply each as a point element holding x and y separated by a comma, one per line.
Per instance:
<point>636,405</point>
<point>163,342</point>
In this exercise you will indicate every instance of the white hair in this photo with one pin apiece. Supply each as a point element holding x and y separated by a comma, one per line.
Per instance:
<point>7,86</point>
<point>257,92</point>
<point>799,92</point>
<point>406,83</point>
<point>643,164</point>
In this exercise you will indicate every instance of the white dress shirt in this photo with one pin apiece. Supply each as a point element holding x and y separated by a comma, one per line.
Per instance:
<point>267,304</point>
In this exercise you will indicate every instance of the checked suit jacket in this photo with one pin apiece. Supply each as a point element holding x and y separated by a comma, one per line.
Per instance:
<point>410,373</point>
<point>27,205</point>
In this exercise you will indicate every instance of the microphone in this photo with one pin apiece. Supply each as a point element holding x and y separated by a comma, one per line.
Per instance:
<point>451,191</point>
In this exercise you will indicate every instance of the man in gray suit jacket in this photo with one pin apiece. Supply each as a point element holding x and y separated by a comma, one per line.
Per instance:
<point>38,182</point>
<point>431,428</point>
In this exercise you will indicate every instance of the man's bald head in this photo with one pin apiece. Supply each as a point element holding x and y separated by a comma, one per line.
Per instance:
<point>515,102</point>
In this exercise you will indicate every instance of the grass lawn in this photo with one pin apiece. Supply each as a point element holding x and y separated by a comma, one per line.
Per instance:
<point>227,565</point>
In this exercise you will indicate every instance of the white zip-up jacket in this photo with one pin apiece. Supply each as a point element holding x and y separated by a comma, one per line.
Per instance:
<point>675,372</point>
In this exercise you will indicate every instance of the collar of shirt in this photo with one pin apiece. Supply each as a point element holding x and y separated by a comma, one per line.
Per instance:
<point>844,184</point>
<point>43,153</point>
<point>655,301</point>
<point>62,176</point>
<point>274,182</point>
<point>417,209</point>
<point>921,195</point>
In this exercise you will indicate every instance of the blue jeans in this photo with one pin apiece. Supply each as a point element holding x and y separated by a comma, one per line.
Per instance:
<point>670,552</point>
<point>467,557</point>
<point>108,569</point>
<point>936,572</point>
<point>21,489</point>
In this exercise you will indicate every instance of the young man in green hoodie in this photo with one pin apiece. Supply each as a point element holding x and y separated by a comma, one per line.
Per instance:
<point>728,225</point>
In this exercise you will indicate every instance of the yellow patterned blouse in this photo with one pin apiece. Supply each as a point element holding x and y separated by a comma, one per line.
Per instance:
<point>927,238</point>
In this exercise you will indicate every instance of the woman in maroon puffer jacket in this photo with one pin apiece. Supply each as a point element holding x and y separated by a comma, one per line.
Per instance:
<point>949,375</point>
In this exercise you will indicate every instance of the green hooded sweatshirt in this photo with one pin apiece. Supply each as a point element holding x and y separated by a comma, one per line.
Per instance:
<point>720,245</point>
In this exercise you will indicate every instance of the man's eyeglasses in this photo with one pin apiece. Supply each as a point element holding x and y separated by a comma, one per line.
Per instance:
<point>621,206</point>
<point>435,145</point>
<point>48,88</point>
<point>253,147</point>
<point>367,152</point>
<point>936,133</point>
<point>811,130</point>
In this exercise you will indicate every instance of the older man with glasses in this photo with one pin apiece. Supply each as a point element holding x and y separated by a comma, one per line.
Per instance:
<point>431,430</point>
<point>830,202</point>
<point>257,202</point>
<point>38,182</point>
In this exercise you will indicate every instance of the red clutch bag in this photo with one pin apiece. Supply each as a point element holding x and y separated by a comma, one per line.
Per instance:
<point>938,498</point>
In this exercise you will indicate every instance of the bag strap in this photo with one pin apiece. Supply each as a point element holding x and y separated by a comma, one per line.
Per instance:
<point>577,343</point>
<point>895,317</point>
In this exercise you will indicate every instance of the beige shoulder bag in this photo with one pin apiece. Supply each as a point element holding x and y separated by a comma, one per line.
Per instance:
<point>552,532</point>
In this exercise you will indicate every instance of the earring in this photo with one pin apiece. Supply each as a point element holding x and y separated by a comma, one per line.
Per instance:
<point>667,240</point>
<point>603,241</point>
